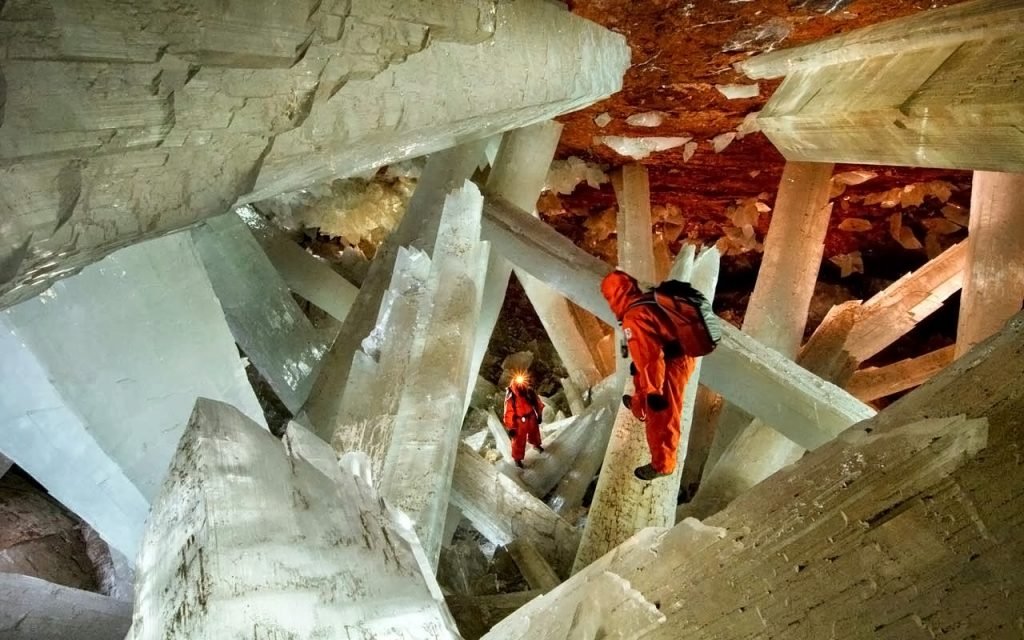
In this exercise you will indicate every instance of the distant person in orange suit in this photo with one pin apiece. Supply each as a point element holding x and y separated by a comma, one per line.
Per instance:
<point>660,368</point>
<point>523,410</point>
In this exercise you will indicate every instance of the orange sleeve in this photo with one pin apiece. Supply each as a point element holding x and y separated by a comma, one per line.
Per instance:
<point>645,349</point>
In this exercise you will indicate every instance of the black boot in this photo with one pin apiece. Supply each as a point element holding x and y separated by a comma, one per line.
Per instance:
<point>519,463</point>
<point>648,473</point>
<point>539,448</point>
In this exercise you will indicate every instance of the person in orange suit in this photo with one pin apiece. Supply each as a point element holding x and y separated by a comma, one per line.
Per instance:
<point>660,370</point>
<point>523,410</point>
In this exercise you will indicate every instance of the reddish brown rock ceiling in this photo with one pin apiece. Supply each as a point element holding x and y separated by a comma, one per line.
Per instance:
<point>681,50</point>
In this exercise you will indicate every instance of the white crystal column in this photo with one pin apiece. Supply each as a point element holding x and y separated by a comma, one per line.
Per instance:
<point>46,437</point>
<point>304,273</point>
<point>744,461</point>
<point>872,383</point>
<point>994,280</point>
<point>519,170</point>
<point>445,170</point>
<point>495,287</point>
<point>825,351</point>
<point>533,566</point>
<point>707,407</point>
<point>501,440</point>
<point>502,511</point>
<point>777,314</point>
<point>300,442</point>
<point>635,237</point>
<point>777,311</point>
<point>802,406</point>
<point>893,312</point>
<point>573,396</point>
<point>622,504</point>
<point>553,310</point>
<point>251,103</point>
<point>605,606</point>
<point>34,609</point>
<point>517,175</point>
<point>369,408</point>
<point>418,467</point>
<point>938,88</point>
<point>703,274</point>
<point>267,324</point>
<point>562,63</point>
<point>245,541</point>
<point>599,337</point>
<point>568,611</point>
<point>100,374</point>
<point>568,495</point>
<point>537,249</point>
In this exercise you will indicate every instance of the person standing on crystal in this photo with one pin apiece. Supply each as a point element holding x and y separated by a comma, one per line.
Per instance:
<point>661,366</point>
<point>523,410</point>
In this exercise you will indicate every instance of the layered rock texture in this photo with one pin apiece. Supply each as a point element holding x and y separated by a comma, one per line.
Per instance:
<point>122,122</point>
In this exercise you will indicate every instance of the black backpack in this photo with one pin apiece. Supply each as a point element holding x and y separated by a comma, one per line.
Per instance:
<point>696,325</point>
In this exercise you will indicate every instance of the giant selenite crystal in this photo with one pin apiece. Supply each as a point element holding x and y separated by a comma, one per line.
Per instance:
<point>246,542</point>
<point>444,171</point>
<point>304,273</point>
<point>871,383</point>
<point>793,247</point>
<point>502,511</point>
<point>782,561</point>
<point>994,279</point>
<point>939,88</point>
<point>100,374</point>
<point>369,406</point>
<point>893,312</point>
<point>418,467</point>
<point>777,313</point>
<point>568,494</point>
<point>633,222</point>
<point>34,609</point>
<point>267,323</point>
<point>123,121</point>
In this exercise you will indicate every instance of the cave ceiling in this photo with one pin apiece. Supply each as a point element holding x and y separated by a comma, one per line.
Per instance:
<point>884,226</point>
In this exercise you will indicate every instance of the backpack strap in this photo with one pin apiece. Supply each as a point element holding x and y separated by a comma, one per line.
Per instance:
<point>645,299</point>
<point>649,299</point>
<point>673,348</point>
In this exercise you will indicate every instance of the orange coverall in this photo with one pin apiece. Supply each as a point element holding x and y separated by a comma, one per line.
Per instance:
<point>648,330</point>
<point>522,413</point>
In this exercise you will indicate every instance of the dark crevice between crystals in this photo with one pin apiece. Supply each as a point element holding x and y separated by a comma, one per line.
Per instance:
<point>276,413</point>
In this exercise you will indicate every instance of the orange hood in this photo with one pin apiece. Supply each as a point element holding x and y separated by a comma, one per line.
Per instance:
<point>620,290</point>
